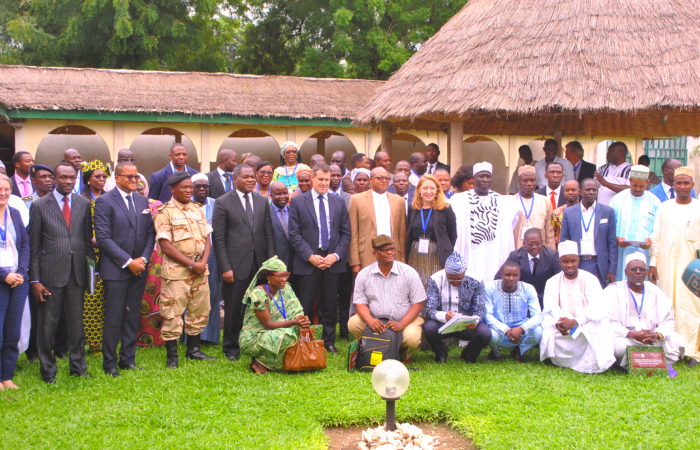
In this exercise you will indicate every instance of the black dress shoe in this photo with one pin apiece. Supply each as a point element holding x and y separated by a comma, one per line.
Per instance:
<point>492,356</point>
<point>515,354</point>
<point>129,367</point>
<point>231,357</point>
<point>85,375</point>
<point>331,348</point>
<point>692,362</point>
<point>441,357</point>
<point>50,379</point>
<point>112,371</point>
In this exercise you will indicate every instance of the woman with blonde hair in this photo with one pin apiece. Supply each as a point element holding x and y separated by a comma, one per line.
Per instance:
<point>431,229</point>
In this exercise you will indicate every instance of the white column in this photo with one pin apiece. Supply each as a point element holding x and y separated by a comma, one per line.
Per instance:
<point>454,147</point>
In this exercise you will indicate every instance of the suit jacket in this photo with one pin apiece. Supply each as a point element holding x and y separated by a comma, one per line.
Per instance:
<point>22,244</point>
<point>363,227</point>
<point>119,236</point>
<point>604,231</point>
<point>658,190</point>
<point>586,170</point>
<point>242,246</point>
<point>216,187</point>
<point>15,187</point>
<point>56,251</point>
<point>157,189</point>
<point>304,232</point>
<point>562,200</point>
<point>440,165</point>
<point>445,227</point>
<point>547,267</point>
<point>283,248</point>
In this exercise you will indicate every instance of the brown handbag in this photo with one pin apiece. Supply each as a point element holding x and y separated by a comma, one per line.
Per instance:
<point>306,354</point>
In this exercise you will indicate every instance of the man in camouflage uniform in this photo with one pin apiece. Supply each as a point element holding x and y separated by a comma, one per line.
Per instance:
<point>183,232</point>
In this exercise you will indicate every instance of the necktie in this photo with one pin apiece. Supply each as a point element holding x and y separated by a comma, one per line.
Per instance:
<point>534,266</point>
<point>132,209</point>
<point>322,219</point>
<point>66,211</point>
<point>228,185</point>
<point>673,194</point>
<point>25,189</point>
<point>282,213</point>
<point>430,169</point>
<point>554,201</point>
<point>248,208</point>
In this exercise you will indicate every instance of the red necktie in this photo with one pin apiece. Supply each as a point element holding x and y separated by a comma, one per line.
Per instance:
<point>66,211</point>
<point>554,202</point>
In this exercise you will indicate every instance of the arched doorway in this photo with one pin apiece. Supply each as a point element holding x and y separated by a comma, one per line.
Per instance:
<point>481,148</point>
<point>90,145</point>
<point>254,141</point>
<point>403,144</point>
<point>151,149</point>
<point>325,143</point>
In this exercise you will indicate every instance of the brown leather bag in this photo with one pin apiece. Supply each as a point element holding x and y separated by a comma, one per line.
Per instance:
<point>306,354</point>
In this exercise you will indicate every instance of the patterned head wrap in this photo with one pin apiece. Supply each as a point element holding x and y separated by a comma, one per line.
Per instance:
<point>96,165</point>
<point>309,171</point>
<point>685,170</point>
<point>355,172</point>
<point>284,146</point>
<point>639,172</point>
<point>455,265</point>
<point>273,264</point>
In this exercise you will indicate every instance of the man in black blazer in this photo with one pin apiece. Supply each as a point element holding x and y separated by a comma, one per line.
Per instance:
<point>125,235</point>
<point>221,179</point>
<point>60,238</point>
<point>432,153</point>
<point>279,214</point>
<point>554,172</point>
<point>157,189</point>
<point>319,231</point>
<point>574,154</point>
<point>537,262</point>
<point>243,239</point>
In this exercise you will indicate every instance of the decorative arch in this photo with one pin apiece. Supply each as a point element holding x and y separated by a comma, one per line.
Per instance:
<point>255,141</point>
<point>152,146</point>
<point>86,140</point>
<point>482,148</point>
<point>403,144</point>
<point>326,142</point>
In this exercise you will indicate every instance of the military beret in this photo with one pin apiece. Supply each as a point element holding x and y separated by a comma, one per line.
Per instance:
<point>177,177</point>
<point>34,168</point>
<point>380,241</point>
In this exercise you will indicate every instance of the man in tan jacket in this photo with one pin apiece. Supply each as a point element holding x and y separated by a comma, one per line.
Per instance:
<point>372,213</point>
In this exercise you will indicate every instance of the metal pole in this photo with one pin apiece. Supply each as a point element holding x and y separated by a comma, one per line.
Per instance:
<point>390,414</point>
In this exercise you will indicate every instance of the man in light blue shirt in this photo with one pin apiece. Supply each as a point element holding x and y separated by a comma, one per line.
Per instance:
<point>513,313</point>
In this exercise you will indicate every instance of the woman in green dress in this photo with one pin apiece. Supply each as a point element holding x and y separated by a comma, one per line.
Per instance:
<point>272,318</point>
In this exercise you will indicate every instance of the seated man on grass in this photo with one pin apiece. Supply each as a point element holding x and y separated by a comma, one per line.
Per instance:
<point>513,313</point>
<point>641,314</point>
<point>392,291</point>
<point>450,293</point>
<point>576,331</point>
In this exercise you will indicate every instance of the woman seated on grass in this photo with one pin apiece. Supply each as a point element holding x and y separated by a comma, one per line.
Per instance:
<point>272,317</point>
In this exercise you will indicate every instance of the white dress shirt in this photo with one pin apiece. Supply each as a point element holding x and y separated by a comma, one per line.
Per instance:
<point>588,237</point>
<point>250,197</point>
<point>382,213</point>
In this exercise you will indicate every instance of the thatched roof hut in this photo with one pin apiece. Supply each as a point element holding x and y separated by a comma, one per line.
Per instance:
<point>538,67</point>
<point>200,94</point>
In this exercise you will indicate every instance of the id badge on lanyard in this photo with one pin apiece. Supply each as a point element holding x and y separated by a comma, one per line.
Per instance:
<point>424,241</point>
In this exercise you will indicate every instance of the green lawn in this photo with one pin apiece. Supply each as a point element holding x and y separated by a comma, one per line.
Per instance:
<point>222,404</point>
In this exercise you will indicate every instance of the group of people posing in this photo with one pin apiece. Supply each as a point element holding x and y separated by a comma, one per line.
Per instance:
<point>405,247</point>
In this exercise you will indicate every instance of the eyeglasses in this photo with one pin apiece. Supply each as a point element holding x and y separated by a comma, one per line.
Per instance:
<point>283,275</point>
<point>382,178</point>
<point>130,177</point>
<point>264,172</point>
<point>201,186</point>
<point>100,176</point>
<point>637,269</point>
<point>387,249</point>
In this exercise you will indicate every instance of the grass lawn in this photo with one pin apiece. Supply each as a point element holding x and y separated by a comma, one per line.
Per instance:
<point>222,404</point>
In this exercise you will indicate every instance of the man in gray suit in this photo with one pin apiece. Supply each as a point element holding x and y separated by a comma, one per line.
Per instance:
<point>60,241</point>
<point>279,213</point>
<point>243,240</point>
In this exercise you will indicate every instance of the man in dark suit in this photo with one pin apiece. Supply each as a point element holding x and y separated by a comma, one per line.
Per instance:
<point>125,235</point>
<point>21,181</point>
<point>537,262</point>
<point>319,231</point>
<point>592,225</point>
<point>401,187</point>
<point>72,157</point>
<point>60,241</point>
<point>243,239</point>
<point>157,189</point>
<point>221,179</point>
<point>574,154</point>
<point>432,153</point>
<point>554,172</point>
<point>279,214</point>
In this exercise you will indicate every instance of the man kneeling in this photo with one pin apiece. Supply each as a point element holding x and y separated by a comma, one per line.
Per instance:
<point>513,313</point>
<point>641,314</point>
<point>388,289</point>
<point>575,331</point>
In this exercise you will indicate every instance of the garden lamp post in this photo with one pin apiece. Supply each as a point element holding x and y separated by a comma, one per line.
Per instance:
<point>390,380</point>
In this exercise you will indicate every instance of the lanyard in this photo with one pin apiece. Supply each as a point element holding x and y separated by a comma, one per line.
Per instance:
<point>636,306</point>
<point>590,219</point>
<point>527,213</point>
<point>286,173</point>
<point>578,164</point>
<point>280,306</point>
<point>3,229</point>
<point>425,222</point>
<point>257,186</point>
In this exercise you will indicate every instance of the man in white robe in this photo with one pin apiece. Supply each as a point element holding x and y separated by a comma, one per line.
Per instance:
<point>531,210</point>
<point>576,331</point>
<point>635,212</point>
<point>485,225</point>
<point>640,313</point>
<point>675,241</point>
